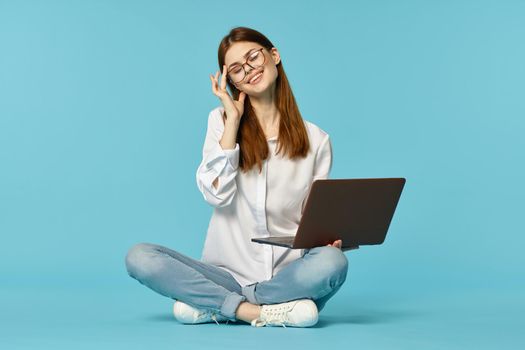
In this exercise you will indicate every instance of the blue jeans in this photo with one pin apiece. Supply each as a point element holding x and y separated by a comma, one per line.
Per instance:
<point>317,275</point>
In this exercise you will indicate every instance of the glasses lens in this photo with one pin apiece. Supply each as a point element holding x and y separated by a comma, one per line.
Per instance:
<point>237,74</point>
<point>255,60</point>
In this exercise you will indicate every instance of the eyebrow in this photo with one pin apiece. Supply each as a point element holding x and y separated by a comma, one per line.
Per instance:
<point>245,55</point>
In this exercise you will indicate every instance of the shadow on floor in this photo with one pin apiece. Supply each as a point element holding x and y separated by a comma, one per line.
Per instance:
<point>361,316</point>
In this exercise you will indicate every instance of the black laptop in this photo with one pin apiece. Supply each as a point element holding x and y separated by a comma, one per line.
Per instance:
<point>357,211</point>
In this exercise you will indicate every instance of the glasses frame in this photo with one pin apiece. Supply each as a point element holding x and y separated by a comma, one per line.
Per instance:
<point>246,62</point>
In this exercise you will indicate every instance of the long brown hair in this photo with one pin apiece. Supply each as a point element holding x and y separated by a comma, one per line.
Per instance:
<point>293,136</point>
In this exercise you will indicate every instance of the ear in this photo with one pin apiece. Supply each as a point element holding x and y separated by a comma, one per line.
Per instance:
<point>275,55</point>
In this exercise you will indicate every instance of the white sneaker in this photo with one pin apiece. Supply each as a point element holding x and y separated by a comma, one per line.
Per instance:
<point>185,313</point>
<point>296,313</point>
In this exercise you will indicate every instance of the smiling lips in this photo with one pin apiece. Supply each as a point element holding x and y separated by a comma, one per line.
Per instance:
<point>257,77</point>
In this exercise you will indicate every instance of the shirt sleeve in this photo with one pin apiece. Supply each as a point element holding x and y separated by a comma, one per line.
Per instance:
<point>217,163</point>
<point>323,160</point>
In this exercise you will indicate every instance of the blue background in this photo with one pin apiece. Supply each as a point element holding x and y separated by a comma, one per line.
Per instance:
<point>103,111</point>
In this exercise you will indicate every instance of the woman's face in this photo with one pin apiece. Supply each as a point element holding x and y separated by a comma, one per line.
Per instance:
<point>246,52</point>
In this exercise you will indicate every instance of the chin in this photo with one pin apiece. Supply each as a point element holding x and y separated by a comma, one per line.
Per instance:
<point>261,87</point>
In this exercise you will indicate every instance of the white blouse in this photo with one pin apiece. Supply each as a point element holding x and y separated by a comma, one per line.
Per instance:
<point>248,205</point>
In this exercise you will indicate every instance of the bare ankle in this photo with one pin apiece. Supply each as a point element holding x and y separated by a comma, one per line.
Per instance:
<point>247,311</point>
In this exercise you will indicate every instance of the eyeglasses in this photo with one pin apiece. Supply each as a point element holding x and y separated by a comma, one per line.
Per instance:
<point>238,73</point>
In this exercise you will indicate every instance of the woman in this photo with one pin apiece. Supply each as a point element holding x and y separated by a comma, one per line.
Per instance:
<point>259,160</point>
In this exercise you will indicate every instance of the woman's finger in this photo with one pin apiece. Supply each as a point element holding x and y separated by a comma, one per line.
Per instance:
<point>215,85</point>
<point>242,96</point>
<point>214,77</point>
<point>213,88</point>
<point>223,77</point>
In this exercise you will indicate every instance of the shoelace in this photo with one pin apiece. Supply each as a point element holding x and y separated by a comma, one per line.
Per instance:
<point>208,313</point>
<point>273,315</point>
<point>213,316</point>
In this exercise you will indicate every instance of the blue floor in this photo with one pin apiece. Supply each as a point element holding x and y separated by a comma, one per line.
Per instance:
<point>103,115</point>
<point>129,316</point>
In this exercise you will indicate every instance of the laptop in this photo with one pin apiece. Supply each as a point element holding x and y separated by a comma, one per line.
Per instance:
<point>357,211</point>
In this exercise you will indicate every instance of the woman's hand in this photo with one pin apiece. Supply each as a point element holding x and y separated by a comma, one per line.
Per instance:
<point>233,109</point>
<point>338,244</point>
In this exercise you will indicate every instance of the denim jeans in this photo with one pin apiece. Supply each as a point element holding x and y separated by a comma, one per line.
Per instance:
<point>317,275</point>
